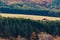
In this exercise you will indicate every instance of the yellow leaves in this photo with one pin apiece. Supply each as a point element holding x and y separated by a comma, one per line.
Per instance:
<point>33,36</point>
<point>58,38</point>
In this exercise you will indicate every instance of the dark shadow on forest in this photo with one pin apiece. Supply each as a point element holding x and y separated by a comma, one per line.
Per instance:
<point>30,12</point>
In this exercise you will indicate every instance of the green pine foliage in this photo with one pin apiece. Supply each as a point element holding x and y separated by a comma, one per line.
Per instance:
<point>24,27</point>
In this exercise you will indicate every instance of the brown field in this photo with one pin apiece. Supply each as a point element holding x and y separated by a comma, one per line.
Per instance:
<point>33,17</point>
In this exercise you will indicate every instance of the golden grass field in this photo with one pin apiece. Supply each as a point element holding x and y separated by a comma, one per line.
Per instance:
<point>33,17</point>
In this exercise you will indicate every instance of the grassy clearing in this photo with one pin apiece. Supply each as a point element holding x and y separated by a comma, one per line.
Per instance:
<point>33,17</point>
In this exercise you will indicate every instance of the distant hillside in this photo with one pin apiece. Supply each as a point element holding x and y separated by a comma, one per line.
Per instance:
<point>46,3</point>
<point>31,9</point>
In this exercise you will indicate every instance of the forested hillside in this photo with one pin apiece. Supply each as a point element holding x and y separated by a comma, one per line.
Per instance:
<point>31,12</point>
<point>24,27</point>
<point>32,8</point>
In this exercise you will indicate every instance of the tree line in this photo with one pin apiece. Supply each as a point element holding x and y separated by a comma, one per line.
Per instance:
<point>24,27</point>
<point>30,12</point>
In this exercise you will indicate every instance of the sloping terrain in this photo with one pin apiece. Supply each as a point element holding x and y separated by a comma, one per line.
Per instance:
<point>31,8</point>
<point>33,17</point>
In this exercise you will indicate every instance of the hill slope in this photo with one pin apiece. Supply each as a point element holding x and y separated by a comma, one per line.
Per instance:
<point>33,17</point>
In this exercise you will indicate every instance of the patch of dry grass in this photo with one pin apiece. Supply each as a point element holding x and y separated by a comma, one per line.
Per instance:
<point>33,17</point>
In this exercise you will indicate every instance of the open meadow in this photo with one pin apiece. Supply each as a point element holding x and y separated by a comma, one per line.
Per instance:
<point>33,17</point>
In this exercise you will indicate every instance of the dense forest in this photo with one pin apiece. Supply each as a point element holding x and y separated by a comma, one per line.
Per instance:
<point>30,12</point>
<point>31,9</point>
<point>24,27</point>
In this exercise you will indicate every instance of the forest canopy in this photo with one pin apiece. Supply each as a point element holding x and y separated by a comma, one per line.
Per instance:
<point>24,27</point>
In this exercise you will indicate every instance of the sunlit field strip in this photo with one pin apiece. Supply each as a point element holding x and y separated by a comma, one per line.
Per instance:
<point>33,17</point>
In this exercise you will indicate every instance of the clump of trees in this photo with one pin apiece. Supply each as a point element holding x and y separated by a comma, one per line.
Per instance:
<point>24,27</point>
